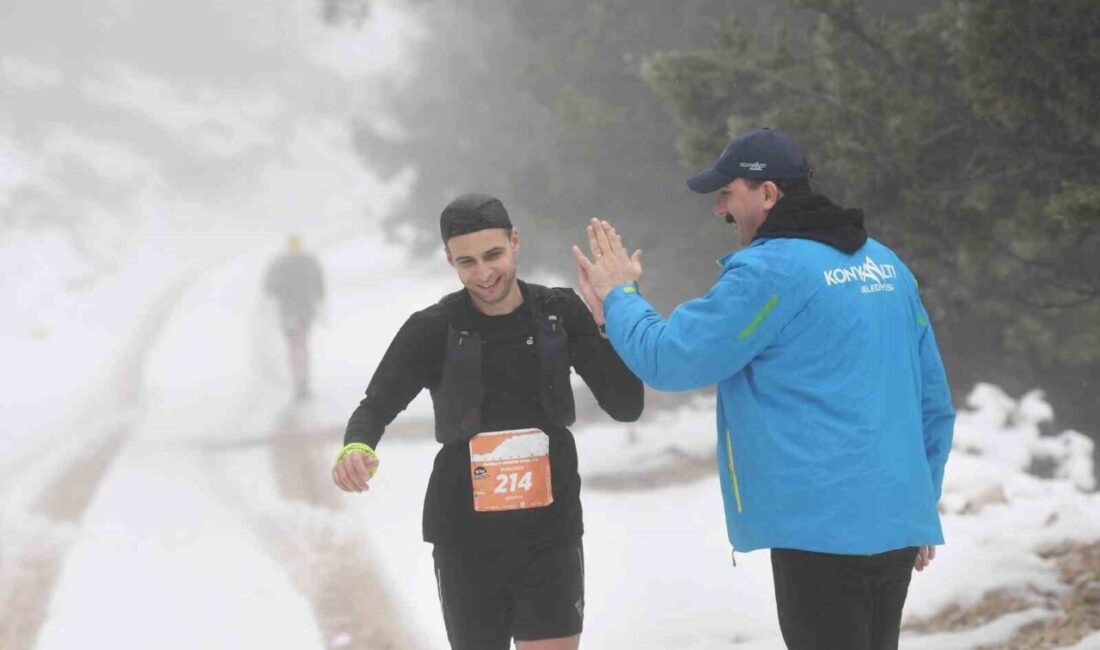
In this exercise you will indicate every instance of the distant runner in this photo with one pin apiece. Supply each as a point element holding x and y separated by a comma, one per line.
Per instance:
<point>503,501</point>
<point>296,282</point>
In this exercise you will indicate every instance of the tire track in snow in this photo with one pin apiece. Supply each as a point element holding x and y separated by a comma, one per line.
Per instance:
<point>31,564</point>
<point>308,533</point>
<point>327,559</point>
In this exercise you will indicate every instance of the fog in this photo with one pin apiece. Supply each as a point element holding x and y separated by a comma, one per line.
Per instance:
<point>160,484</point>
<point>207,127</point>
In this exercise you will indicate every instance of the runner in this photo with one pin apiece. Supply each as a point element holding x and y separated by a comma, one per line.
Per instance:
<point>503,501</point>
<point>296,282</point>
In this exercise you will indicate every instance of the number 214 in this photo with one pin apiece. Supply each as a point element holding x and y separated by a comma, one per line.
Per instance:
<point>511,482</point>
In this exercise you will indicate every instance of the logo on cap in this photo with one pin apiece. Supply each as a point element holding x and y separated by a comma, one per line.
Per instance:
<point>754,166</point>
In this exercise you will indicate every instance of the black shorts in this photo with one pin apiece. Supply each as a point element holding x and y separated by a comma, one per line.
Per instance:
<point>491,597</point>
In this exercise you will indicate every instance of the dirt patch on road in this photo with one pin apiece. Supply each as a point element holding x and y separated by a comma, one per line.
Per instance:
<point>298,461</point>
<point>31,554</point>
<point>993,605</point>
<point>323,552</point>
<point>1077,608</point>
<point>1079,570</point>
<point>31,564</point>
<point>30,568</point>
<point>326,557</point>
<point>331,565</point>
<point>68,496</point>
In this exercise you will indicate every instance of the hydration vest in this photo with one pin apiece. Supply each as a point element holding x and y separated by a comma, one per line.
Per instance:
<point>458,396</point>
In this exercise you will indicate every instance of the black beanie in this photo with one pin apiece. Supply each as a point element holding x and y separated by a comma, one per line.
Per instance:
<point>471,213</point>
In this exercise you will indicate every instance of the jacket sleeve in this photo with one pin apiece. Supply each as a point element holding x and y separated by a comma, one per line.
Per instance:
<point>707,339</point>
<point>937,413</point>
<point>410,364</point>
<point>617,390</point>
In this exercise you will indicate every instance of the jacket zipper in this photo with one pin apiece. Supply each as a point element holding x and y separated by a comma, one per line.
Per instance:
<point>733,471</point>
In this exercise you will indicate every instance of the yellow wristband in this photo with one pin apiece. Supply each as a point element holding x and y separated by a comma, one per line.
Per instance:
<point>356,446</point>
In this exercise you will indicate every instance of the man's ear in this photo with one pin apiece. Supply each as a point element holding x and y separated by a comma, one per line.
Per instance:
<point>447,252</point>
<point>515,240</point>
<point>771,194</point>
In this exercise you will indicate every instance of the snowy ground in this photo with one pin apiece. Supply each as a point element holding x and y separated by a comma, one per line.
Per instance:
<point>157,488</point>
<point>185,535</point>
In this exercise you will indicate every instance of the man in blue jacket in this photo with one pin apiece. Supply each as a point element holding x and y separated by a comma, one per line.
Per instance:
<point>834,415</point>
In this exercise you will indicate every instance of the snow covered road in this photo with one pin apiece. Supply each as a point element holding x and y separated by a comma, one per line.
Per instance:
<point>205,516</point>
<point>186,533</point>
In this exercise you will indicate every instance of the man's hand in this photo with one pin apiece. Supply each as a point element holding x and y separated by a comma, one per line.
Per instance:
<point>353,472</point>
<point>612,266</point>
<point>595,305</point>
<point>925,555</point>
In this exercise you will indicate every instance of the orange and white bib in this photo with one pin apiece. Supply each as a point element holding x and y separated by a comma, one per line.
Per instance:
<point>510,470</point>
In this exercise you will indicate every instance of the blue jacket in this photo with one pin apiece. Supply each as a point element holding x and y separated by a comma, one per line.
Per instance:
<point>834,414</point>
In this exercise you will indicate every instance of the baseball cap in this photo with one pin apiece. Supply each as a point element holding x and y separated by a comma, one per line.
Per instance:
<point>762,153</point>
<point>471,213</point>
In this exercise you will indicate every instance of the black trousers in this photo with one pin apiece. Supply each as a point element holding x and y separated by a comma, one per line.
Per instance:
<point>841,602</point>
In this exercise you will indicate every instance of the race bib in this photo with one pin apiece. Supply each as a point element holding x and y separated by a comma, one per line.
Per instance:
<point>510,470</point>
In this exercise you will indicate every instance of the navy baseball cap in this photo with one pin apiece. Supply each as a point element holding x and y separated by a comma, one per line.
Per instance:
<point>763,153</point>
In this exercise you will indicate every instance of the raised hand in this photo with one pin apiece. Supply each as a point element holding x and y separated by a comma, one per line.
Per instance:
<point>595,304</point>
<point>610,266</point>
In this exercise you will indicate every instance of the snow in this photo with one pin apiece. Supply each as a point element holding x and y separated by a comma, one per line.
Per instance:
<point>1091,642</point>
<point>173,531</point>
<point>161,516</point>
<point>1020,443</point>
<point>529,443</point>
<point>661,556</point>
<point>146,395</point>
<point>65,325</point>
<point>998,631</point>
<point>173,563</point>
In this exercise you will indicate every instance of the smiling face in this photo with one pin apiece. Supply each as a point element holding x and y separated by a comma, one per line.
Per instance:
<point>748,206</point>
<point>486,265</point>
